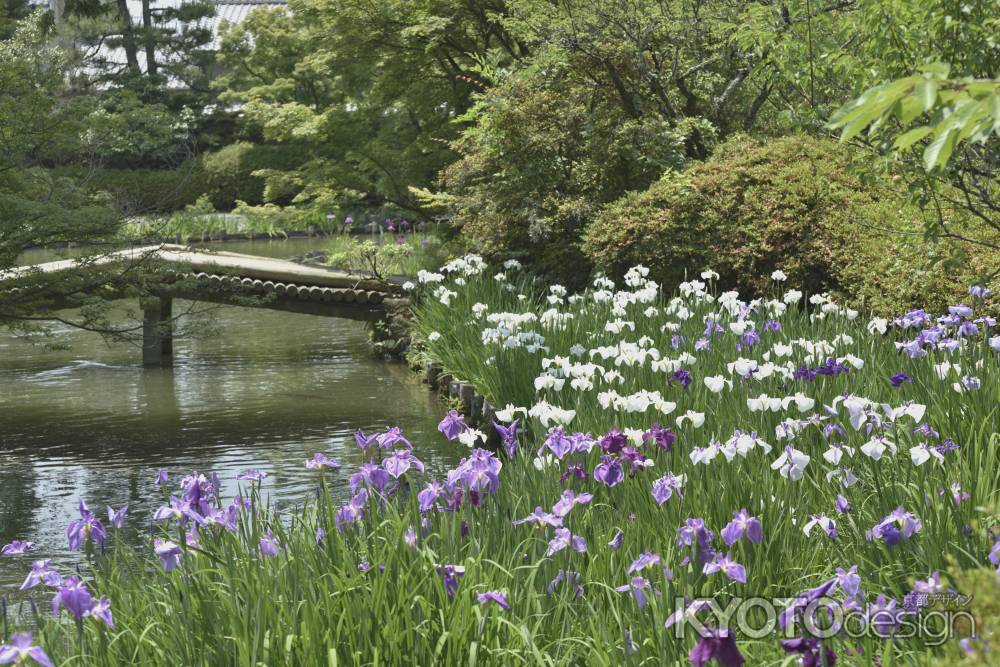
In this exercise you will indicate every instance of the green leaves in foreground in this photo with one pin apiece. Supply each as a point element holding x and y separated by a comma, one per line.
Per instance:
<point>957,110</point>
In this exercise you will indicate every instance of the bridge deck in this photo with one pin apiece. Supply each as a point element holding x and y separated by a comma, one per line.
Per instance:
<point>231,278</point>
<point>217,262</point>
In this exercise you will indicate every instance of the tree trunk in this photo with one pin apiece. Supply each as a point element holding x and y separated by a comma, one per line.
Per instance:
<point>148,38</point>
<point>128,37</point>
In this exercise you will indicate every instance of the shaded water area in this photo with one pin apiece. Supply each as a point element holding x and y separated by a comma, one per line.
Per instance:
<point>266,389</point>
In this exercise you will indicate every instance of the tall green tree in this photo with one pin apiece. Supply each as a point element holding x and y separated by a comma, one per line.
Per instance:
<point>148,63</point>
<point>43,120</point>
<point>370,90</point>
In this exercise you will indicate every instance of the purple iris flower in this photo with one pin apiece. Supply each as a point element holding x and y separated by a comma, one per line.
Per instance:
<point>842,504</point>
<point>967,329</point>
<point>479,473</point>
<point>569,500</point>
<point>849,581</point>
<point>364,441</point>
<point>168,553</point>
<point>494,596</point>
<point>914,319</point>
<point>613,441</point>
<point>162,477</point>
<point>252,476</point>
<point>177,509</point>
<point>950,344</point>
<point>373,476</point>
<point>401,461</point>
<point>269,544</point>
<point>971,383</point>
<point>410,537</point>
<point>321,461</point>
<point>572,578</point>
<point>645,559</point>
<point>638,586</point>
<point>609,471</point>
<point>450,574</point>
<point>702,344</point>
<point>540,518</point>
<point>428,497</point>
<point>899,378</point>
<point>633,459</point>
<point>199,491</point>
<point>749,339</point>
<point>573,471</point>
<point>960,310</point>
<point>694,533</point>
<point>896,527</point>
<point>74,597</point>
<point>683,377</point>
<point>617,539</point>
<point>814,654</point>
<point>663,437</point>
<point>20,649</point>
<point>979,291</point>
<point>665,487</point>
<point>452,425</point>
<point>18,547</point>
<point>87,528</point>
<point>116,518</point>
<point>564,539</point>
<point>102,611</point>
<point>742,525</point>
<point>884,616</point>
<point>41,573</point>
<point>719,645</point>
<point>353,510</point>
<point>392,437</point>
<point>803,600</point>
<point>508,435</point>
<point>558,443</point>
<point>727,566</point>
<point>913,348</point>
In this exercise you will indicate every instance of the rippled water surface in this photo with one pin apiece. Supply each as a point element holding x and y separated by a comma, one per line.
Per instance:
<point>266,389</point>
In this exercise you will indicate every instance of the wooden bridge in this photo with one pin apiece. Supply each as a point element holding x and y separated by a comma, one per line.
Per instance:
<point>222,277</point>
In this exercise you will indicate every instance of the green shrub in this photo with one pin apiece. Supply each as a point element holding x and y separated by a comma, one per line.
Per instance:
<point>229,173</point>
<point>797,204</point>
<point>141,191</point>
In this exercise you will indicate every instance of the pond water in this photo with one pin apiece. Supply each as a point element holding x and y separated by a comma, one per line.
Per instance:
<point>266,389</point>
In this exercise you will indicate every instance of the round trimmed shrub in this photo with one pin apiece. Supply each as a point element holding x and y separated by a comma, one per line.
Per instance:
<point>795,204</point>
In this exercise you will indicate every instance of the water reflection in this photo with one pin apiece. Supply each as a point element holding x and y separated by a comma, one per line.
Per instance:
<point>266,390</point>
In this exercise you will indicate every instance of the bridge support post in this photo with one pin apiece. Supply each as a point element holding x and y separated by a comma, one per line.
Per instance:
<point>157,332</point>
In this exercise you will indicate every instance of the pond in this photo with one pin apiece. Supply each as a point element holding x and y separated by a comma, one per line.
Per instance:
<point>265,389</point>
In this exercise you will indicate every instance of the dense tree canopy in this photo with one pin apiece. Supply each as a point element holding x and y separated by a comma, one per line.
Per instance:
<point>520,122</point>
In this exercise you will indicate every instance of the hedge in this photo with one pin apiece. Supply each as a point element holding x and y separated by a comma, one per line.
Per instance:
<point>229,172</point>
<point>141,191</point>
